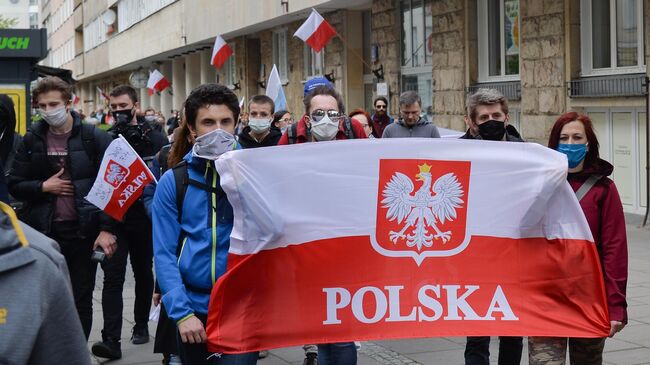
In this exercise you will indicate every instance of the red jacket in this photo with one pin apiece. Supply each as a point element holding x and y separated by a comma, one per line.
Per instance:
<point>301,132</point>
<point>604,212</point>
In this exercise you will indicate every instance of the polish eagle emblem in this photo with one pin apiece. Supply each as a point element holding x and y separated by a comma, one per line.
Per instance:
<point>115,174</point>
<point>433,204</point>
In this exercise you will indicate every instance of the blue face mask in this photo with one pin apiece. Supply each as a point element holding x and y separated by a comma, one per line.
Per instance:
<point>575,153</point>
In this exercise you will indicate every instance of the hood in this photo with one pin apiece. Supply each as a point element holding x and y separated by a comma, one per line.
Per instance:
<point>246,140</point>
<point>420,122</point>
<point>13,250</point>
<point>600,167</point>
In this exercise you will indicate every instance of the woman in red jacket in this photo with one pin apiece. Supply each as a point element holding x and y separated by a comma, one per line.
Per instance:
<point>573,134</point>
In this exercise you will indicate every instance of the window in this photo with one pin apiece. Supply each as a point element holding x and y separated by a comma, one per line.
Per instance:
<point>280,53</point>
<point>95,33</point>
<point>231,69</point>
<point>314,62</point>
<point>417,27</point>
<point>612,37</point>
<point>498,40</point>
<point>130,12</point>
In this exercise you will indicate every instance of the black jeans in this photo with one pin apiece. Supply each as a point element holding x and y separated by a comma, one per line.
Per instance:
<point>134,240</point>
<point>198,353</point>
<point>77,251</point>
<point>477,350</point>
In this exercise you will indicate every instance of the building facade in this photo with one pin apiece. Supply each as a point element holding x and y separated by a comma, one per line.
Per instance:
<point>546,56</point>
<point>25,12</point>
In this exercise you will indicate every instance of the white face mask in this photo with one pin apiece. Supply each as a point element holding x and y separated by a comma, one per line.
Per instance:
<point>214,144</point>
<point>325,130</point>
<point>55,118</point>
<point>259,125</point>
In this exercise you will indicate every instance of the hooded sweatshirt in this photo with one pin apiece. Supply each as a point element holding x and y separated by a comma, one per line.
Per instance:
<point>38,320</point>
<point>271,139</point>
<point>604,212</point>
<point>422,129</point>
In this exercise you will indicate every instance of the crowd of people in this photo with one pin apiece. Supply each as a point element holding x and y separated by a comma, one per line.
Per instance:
<point>183,223</point>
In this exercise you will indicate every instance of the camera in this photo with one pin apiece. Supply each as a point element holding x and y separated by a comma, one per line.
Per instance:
<point>132,133</point>
<point>98,255</point>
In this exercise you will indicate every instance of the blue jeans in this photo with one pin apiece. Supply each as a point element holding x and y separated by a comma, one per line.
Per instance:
<point>344,353</point>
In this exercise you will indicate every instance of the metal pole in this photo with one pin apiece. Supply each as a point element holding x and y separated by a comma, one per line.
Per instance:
<point>647,150</point>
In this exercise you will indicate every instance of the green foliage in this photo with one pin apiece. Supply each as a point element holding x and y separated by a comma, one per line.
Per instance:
<point>7,22</point>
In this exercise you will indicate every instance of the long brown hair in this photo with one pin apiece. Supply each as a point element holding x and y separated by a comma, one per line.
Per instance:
<point>183,142</point>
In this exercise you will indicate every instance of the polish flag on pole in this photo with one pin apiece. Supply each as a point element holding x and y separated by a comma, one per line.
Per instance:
<point>315,31</point>
<point>448,241</point>
<point>275,91</point>
<point>220,52</point>
<point>157,82</point>
<point>75,99</point>
<point>102,94</point>
<point>121,179</point>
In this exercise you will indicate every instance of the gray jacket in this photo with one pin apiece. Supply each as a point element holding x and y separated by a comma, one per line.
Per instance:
<point>422,129</point>
<point>38,320</point>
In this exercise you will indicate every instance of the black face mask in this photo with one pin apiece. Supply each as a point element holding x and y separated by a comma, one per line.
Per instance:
<point>492,130</point>
<point>124,116</point>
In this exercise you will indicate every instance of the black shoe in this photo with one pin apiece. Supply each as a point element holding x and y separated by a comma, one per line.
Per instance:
<point>108,349</point>
<point>311,359</point>
<point>263,354</point>
<point>140,334</point>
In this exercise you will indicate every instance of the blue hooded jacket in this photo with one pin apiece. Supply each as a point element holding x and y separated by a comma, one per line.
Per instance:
<point>186,279</point>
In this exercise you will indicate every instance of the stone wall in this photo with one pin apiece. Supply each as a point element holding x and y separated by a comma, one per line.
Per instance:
<point>543,91</point>
<point>449,63</point>
<point>386,35</point>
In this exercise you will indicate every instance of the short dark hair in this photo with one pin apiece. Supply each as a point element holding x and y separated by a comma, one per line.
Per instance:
<point>52,83</point>
<point>410,97</point>
<point>380,98</point>
<point>324,90</point>
<point>124,90</point>
<point>210,94</point>
<point>262,99</point>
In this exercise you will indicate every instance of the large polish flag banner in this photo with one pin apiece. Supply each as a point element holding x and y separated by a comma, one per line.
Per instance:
<point>403,238</point>
<point>315,31</point>
<point>121,179</point>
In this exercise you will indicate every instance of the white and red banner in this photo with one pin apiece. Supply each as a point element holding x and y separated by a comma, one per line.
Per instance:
<point>315,31</point>
<point>403,238</point>
<point>102,94</point>
<point>121,179</point>
<point>157,82</point>
<point>220,52</point>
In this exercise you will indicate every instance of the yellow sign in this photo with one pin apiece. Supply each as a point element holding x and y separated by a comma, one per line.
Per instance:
<point>17,94</point>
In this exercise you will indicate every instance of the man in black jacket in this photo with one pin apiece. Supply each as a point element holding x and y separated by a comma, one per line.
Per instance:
<point>488,119</point>
<point>258,132</point>
<point>54,169</point>
<point>134,235</point>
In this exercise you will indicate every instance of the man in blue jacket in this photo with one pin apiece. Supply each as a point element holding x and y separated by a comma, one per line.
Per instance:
<point>191,245</point>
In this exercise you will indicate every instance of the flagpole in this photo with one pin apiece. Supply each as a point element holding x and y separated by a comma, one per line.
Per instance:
<point>139,158</point>
<point>345,43</point>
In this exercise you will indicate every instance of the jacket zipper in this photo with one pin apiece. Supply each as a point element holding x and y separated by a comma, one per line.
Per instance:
<point>214,226</point>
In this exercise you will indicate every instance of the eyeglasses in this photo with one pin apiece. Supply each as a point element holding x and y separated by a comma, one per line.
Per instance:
<point>318,114</point>
<point>380,106</point>
<point>286,120</point>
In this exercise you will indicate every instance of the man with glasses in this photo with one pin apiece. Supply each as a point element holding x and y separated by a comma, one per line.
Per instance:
<point>411,124</point>
<point>380,119</point>
<point>324,120</point>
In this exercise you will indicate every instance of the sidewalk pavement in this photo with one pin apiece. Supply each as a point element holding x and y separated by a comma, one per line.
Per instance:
<point>629,347</point>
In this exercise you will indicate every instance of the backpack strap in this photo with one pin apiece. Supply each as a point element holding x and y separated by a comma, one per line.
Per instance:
<point>88,141</point>
<point>349,131</point>
<point>587,185</point>
<point>181,178</point>
<point>292,133</point>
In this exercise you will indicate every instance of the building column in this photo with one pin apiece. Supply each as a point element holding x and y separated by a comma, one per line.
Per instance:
<point>448,78</point>
<point>542,68</point>
<point>386,29</point>
<point>208,73</point>
<point>178,81</point>
<point>192,72</point>
<point>145,100</point>
<point>166,100</point>
<point>154,100</point>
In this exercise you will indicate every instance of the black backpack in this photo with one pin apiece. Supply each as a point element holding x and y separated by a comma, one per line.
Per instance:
<point>292,132</point>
